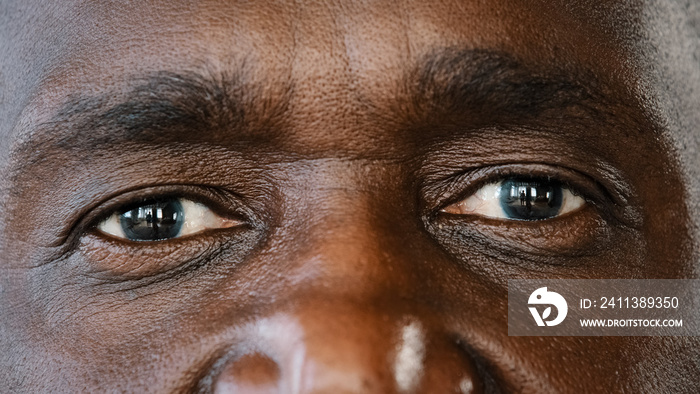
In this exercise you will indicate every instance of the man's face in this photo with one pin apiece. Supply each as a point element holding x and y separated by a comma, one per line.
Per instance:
<point>310,198</point>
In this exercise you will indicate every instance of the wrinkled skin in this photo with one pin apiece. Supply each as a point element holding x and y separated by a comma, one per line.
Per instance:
<point>336,133</point>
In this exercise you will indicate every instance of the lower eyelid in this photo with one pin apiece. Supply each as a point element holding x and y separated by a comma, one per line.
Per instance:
<point>112,260</point>
<point>560,236</point>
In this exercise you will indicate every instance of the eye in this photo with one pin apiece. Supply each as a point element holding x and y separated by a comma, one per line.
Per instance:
<point>162,219</point>
<point>519,199</point>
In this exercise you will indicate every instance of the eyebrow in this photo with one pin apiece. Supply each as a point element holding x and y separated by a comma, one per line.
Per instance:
<point>161,106</point>
<point>494,86</point>
<point>447,83</point>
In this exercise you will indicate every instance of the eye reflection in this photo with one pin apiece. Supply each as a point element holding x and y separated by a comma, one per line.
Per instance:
<point>157,220</point>
<point>162,219</point>
<point>519,199</point>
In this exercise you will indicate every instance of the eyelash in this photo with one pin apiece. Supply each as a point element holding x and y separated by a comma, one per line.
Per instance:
<point>165,218</point>
<point>220,201</point>
<point>466,183</point>
<point>538,198</point>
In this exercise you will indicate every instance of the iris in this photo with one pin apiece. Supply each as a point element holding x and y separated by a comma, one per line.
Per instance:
<point>153,220</point>
<point>531,199</point>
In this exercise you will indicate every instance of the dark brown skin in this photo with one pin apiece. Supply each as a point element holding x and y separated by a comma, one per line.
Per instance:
<point>336,134</point>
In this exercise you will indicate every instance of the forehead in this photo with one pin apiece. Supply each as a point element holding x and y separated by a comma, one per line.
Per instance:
<point>357,48</point>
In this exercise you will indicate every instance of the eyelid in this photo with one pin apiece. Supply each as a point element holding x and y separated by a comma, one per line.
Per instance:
<point>529,242</point>
<point>116,260</point>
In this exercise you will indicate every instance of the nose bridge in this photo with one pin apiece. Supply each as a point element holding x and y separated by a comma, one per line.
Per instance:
<point>354,230</point>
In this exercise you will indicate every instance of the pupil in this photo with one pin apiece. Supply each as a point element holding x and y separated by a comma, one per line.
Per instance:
<point>531,199</point>
<point>153,220</point>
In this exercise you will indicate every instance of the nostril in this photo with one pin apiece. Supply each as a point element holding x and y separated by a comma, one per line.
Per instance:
<point>251,373</point>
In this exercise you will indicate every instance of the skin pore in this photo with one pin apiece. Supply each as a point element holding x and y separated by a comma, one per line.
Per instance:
<point>330,145</point>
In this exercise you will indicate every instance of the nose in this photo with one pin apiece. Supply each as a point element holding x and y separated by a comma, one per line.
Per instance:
<point>326,347</point>
<point>359,321</point>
